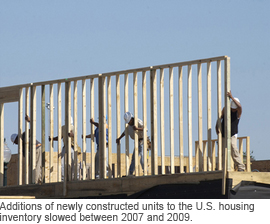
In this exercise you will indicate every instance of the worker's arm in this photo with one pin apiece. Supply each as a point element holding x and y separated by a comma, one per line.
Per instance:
<point>87,136</point>
<point>239,106</point>
<point>54,138</point>
<point>118,139</point>
<point>137,129</point>
<point>94,123</point>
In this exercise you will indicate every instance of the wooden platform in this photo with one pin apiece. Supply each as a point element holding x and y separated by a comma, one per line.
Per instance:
<point>127,186</point>
<point>259,177</point>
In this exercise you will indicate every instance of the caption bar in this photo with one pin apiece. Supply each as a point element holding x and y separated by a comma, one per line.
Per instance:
<point>88,210</point>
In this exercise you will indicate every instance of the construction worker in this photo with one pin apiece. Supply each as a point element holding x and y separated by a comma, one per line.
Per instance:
<point>14,139</point>
<point>129,119</point>
<point>236,112</point>
<point>96,135</point>
<point>64,137</point>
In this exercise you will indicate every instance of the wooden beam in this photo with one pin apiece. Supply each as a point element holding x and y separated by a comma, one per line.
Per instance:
<point>68,122</point>
<point>162,129</point>
<point>75,121</point>
<point>102,127</point>
<point>219,109</point>
<point>59,128</point>
<point>155,125</point>
<point>118,124</point>
<point>26,141</point>
<point>67,143</point>
<point>205,157</point>
<point>197,156</point>
<point>33,133</point>
<point>171,120</point>
<point>9,94</point>
<point>190,155</point>
<point>241,149</point>
<point>209,118</point>
<point>1,144</point>
<point>213,155</point>
<point>181,132</point>
<point>20,132</point>
<point>92,111</point>
<point>224,171</point>
<point>144,98</point>
<point>200,119</point>
<point>51,134</point>
<point>188,63</point>
<point>177,64</point>
<point>248,153</point>
<point>84,129</point>
<point>135,106</point>
<point>43,129</point>
<point>109,97</point>
<point>227,117</point>
<point>154,129</point>
<point>126,130</point>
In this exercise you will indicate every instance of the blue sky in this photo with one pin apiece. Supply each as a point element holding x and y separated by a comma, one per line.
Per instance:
<point>47,40</point>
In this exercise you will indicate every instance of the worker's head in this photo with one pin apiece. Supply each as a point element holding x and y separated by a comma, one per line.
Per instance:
<point>14,138</point>
<point>128,117</point>
<point>233,104</point>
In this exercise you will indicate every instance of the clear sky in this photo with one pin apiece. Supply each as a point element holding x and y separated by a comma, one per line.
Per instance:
<point>47,40</point>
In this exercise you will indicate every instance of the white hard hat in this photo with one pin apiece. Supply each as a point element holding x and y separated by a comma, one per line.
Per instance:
<point>233,105</point>
<point>13,137</point>
<point>128,116</point>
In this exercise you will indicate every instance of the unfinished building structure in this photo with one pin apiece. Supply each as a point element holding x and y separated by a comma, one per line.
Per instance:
<point>178,118</point>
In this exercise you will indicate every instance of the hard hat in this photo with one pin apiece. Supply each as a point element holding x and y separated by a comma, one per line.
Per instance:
<point>233,105</point>
<point>128,116</point>
<point>13,137</point>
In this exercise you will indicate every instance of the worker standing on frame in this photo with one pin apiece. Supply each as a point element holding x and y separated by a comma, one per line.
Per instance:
<point>236,112</point>
<point>129,119</point>
<point>96,135</point>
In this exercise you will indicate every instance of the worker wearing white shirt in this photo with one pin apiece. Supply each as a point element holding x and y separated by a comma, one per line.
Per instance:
<point>129,119</point>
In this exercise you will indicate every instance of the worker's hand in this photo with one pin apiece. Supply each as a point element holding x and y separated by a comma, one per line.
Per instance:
<point>91,120</point>
<point>27,118</point>
<point>229,94</point>
<point>50,138</point>
<point>117,141</point>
